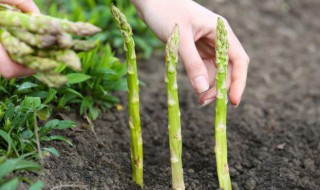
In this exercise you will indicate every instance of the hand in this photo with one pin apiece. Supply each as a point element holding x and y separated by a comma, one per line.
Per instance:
<point>197,44</point>
<point>8,68</point>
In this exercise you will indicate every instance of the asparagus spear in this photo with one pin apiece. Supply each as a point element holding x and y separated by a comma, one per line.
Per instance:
<point>13,45</point>
<point>68,57</point>
<point>35,23</point>
<point>221,107</point>
<point>36,63</point>
<point>83,45</point>
<point>35,40</point>
<point>52,79</point>
<point>44,41</point>
<point>133,97</point>
<point>42,24</point>
<point>174,110</point>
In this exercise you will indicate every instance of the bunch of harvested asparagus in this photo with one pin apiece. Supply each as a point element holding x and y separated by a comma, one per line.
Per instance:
<point>42,43</point>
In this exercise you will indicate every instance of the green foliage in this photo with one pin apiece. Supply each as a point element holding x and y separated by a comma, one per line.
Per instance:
<point>21,137</point>
<point>97,12</point>
<point>102,73</point>
<point>8,180</point>
<point>19,127</point>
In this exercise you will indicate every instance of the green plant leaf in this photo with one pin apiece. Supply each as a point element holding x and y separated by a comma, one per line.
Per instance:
<point>12,184</point>
<point>26,86</point>
<point>74,78</point>
<point>57,138</point>
<point>37,186</point>
<point>52,151</point>
<point>51,95</point>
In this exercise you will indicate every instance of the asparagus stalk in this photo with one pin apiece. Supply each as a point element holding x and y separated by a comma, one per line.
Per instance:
<point>133,97</point>
<point>221,107</point>
<point>35,23</point>
<point>68,57</point>
<point>83,45</point>
<point>35,40</point>
<point>174,126</point>
<point>42,24</point>
<point>45,41</point>
<point>36,63</point>
<point>52,79</point>
<point>13,45</point>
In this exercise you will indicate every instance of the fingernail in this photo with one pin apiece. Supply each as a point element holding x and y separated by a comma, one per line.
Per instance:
<point>236,106</point>
<point>201,84</point>
<point>207,102</point>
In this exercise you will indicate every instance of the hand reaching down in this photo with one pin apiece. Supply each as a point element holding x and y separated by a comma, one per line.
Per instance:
<point>197,44</point>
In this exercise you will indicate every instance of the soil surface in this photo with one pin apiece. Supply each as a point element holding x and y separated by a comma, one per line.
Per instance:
<point>273,136</point>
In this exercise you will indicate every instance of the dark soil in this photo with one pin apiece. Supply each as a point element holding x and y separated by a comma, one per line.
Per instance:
<point>273,136</point>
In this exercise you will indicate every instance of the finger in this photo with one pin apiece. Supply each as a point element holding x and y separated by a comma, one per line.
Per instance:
<point>240,62</point>
<point>208,97</point>
<point>24,5</point>
<point>195,68</point>
<point>211,71</point>
<point>10,69</point>
<point>228,81</point>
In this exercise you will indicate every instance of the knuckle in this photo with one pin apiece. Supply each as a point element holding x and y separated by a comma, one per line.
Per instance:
<point>243,59</point>
<point>246,59</point>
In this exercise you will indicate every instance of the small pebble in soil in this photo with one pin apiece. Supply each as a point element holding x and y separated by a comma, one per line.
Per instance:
<point>233,171</point>
<point>309,164</point>
<point>250,184</point>
<point>191,171</point>
<point>235,186</point>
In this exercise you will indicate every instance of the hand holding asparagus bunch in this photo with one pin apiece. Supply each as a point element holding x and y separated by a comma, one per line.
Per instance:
<point>42,43</point>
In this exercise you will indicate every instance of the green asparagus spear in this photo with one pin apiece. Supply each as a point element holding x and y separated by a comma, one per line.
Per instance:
<point>33,23</point>
<point>221,107</point>
<point>35,40</point>
<point>14,46</point>
<point>42,24</point>
<point>68,57</point>
<point>79,28</point>
<point>44,41</point>
<point>133,97</point>
<point>36,63</point>
<point>174,126</point>
<point>52,79</point>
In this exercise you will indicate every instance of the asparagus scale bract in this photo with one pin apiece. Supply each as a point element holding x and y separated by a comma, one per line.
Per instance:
<point>174,124</point>
<point>221,107</point>
<point>133,96</point>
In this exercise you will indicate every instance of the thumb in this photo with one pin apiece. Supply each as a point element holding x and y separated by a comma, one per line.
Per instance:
<point>194,65</point>
<point>24,5</point>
